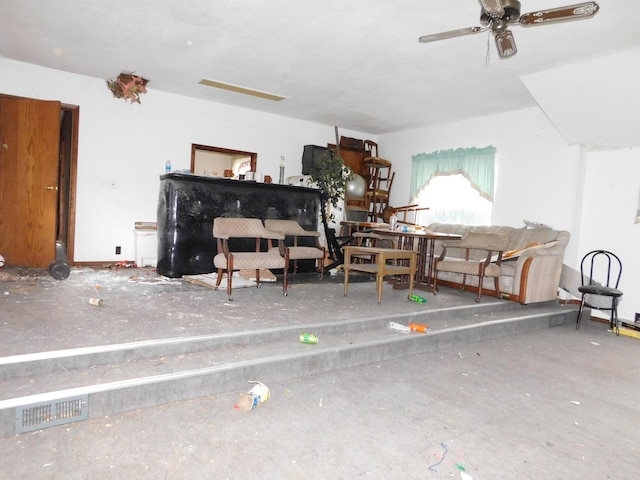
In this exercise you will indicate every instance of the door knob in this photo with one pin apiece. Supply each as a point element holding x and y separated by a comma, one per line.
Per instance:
<point>51,187</point>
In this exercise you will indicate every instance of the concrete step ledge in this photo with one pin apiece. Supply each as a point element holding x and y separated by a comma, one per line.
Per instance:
<point>49,361</point>
<point>129,394</point>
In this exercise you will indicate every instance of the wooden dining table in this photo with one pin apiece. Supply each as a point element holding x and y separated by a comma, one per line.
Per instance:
<point>349,227</point>
<point>423,241</point>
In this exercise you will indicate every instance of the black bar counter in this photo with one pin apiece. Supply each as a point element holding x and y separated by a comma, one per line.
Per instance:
<point>187,205</point>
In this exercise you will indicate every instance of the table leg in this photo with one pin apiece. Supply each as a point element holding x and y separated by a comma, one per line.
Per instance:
<point>402,281</point>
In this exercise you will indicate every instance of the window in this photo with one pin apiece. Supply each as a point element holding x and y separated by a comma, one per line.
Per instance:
<point>456,185</point>
<point>452,199</point>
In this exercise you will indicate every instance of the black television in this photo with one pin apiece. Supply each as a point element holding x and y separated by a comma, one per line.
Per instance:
<point>311,156</point>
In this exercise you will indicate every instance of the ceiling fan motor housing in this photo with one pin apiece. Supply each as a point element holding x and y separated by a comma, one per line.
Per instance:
<point>511,15</point>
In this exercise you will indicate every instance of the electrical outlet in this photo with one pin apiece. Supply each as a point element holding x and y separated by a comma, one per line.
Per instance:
<point>118,250</point>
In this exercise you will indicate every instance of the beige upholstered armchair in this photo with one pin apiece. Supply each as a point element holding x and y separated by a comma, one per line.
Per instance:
<point>482,258</point>
<point>231,258</point>
<point>298,251</point>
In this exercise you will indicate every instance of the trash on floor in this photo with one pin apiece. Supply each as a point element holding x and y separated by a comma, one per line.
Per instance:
<point>432,468</point>
<point>241,279</point>
<point>398,327</point>
<point>265,275</point>
<point>149,280</point>
<point>209,280</point>
<point>309,338</point>
<point>417,327</point>
<point>125,264</point>
<point>7,277</point>
<point>418,299</point>
<point>258,394</point>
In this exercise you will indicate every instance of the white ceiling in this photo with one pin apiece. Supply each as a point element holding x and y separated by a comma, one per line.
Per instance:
<point>355,64</point>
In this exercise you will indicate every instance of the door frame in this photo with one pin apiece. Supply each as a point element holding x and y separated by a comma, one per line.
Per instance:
<point>71,164</point>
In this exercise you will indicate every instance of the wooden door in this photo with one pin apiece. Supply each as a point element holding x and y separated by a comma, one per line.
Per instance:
<point>29,158</point>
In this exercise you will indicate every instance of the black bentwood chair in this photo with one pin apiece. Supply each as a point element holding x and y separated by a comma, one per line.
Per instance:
<point>606,265</point>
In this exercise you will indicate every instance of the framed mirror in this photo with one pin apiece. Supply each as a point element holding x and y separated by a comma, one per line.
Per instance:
<point>213,161</point>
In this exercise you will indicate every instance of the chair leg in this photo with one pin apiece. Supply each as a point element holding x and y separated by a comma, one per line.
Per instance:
<point>580,311</point>
<point>285,286</point>
<point>321,263</point>
<point>435,280</point>
<point>480,280</point>
<point>346,281</point>
<point>379,283</point>
<point>285,278</point>
<point>229,275</point>
<point>614,315</point>
<point>219,277</point>
<point>496,282</point>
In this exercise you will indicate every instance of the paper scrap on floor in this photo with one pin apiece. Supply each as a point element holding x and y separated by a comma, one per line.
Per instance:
<point>152,280</point>
<point>265,275</point>
<point>242,279</point>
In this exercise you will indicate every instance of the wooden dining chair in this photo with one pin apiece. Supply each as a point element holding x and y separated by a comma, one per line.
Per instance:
<point>305,244</point>
<point>480,251</point>
<point>232,256</point>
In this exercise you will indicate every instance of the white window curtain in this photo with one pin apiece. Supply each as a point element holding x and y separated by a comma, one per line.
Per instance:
<point>476,164</point>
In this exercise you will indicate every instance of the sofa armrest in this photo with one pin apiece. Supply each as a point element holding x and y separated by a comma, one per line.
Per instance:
<point>537,272</point>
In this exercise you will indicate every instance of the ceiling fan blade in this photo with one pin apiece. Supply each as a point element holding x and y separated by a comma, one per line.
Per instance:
<point>506,44</point>
<point>492,7</point>
<point>434,37</point>
<point>570,12</point>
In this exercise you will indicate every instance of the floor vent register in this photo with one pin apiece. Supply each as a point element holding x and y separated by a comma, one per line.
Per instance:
<point>49,414</point>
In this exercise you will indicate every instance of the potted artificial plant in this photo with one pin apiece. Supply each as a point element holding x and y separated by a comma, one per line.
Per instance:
<point>330,176</point>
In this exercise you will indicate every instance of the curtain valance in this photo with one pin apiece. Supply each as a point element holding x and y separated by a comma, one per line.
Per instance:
<point>476,164</point>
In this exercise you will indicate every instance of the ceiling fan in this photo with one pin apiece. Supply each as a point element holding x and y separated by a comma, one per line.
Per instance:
<point>497,15</point>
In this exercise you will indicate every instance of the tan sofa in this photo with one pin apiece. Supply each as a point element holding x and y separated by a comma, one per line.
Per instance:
<point>531,269</point>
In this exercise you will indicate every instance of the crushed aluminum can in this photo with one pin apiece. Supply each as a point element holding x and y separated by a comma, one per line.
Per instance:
<point>309,338</point>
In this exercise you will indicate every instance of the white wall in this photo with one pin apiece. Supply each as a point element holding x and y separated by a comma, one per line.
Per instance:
<point>128,145</point>
<point>593,195</point>
<point>608,212</point>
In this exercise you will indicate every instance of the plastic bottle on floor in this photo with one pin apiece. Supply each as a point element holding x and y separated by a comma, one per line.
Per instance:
<point>418,299</point>
<point>417,327</point>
